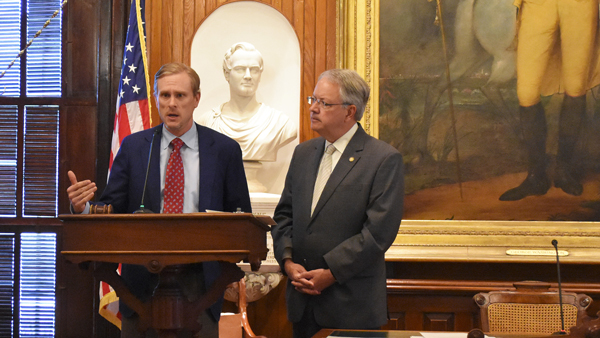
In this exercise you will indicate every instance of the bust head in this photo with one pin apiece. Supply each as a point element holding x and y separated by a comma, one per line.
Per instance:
<point>242,67</point>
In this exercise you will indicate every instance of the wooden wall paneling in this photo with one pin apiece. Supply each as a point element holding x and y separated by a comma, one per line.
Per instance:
<point>433,311</point>
<point>427,298</point>
<point>433,321</point>
<point>80,72</point>
<point>154,27</point>
<point>150,23</point>
<point>396,321</point>
<point>199,13</point>
<point>113,29</point>
<point>189,28</point>
<point>166,47</point>
<point>78,152</point>
<point>298,22</point>
<point>120,21</point>
<point>466,319</point>
<point>277,5</point>
<point>211,5</point>
<point>287,8</point>
<point>77,59</point>
<point>177,23</point>
<point>74,288</point>
<point>320,55</point>
<point>308,48</point>
<point>320,37</point>
<point>493,275</point>
<point>332,31</point>
<point>413,320</point>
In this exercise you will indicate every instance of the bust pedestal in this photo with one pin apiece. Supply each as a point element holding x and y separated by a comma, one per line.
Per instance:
<point>254,186</point>
<point>265,204</point>
<point>268,276</point>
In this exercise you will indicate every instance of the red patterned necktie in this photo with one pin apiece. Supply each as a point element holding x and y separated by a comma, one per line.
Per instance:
<point>174,181</point>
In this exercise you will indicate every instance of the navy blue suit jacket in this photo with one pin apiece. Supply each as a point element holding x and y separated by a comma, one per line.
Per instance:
<point>223,187</point>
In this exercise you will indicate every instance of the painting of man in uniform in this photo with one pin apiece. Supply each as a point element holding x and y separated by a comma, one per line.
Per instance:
<point>513,133</point>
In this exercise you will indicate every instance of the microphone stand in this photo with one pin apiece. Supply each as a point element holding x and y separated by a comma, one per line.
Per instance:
<point>142,209</point>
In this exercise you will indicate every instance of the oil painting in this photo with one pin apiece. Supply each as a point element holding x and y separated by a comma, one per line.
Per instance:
<point>448,100</point>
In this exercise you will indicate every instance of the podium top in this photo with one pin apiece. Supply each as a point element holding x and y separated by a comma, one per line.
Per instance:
<point>263,221</point>
<point>158,240</point>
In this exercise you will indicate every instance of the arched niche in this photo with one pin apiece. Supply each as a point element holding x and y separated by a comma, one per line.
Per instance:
<point>172,24</point>
<point>280,85</point>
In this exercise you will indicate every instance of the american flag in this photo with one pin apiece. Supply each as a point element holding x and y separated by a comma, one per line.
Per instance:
<point>133,115</point>
<point>133,104</point>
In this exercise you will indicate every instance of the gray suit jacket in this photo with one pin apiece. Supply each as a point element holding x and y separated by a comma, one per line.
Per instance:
<point>355,221</point>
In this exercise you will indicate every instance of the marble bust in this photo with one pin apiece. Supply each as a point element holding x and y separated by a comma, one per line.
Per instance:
<point>259,129</point>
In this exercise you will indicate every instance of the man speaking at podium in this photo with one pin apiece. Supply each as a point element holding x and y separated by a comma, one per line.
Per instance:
<point>192,169</point>
<point>339,212</point>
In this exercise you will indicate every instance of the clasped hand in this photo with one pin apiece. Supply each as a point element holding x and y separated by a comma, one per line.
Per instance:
<point>311,282</point>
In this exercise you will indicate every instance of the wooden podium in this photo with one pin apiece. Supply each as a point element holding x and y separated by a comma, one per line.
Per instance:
<point>164,244</point>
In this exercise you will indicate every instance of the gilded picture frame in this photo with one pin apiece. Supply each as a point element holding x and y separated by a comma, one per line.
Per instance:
<point>448,239</point>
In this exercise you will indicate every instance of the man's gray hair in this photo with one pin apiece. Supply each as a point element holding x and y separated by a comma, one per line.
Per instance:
<point>243,46</point>
<point>353,89</point>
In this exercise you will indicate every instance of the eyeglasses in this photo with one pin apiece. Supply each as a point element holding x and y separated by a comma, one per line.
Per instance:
<point>311,100</point>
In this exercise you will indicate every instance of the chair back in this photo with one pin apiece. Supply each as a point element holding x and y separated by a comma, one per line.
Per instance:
<point>530,309</point>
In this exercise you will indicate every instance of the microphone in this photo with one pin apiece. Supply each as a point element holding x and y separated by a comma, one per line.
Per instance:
<point>142,209</point>
<point>562,316</point>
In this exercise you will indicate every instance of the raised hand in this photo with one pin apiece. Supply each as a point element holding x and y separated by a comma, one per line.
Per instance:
<point>80,193</point>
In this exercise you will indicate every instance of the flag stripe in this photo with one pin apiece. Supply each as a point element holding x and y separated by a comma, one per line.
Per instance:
<point>135,115</point>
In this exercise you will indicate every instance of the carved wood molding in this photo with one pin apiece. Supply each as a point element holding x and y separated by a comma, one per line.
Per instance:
<point>358,49</point>
<point>403,286</point>
<point>496,241</point>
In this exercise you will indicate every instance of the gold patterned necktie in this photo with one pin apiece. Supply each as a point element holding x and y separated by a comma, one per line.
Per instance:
<point>174,181</point>
<point>323,175</point>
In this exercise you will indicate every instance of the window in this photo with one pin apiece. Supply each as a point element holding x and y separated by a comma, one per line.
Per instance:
<point>30,93</point>
<point>37,285</point>
<point>10,44</point>
<point>34,293</point>
<point>29,140</point>
<point>9,120</point>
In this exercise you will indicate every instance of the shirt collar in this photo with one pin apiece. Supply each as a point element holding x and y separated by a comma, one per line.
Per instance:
<point>341,143</point>
<point>190,138</point>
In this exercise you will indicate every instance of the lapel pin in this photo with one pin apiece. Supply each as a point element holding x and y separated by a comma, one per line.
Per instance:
<point>351,159</point>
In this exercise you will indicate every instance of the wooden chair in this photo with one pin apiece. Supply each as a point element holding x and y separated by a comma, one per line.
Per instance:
<point>237,325</point>
<point>530,309</point>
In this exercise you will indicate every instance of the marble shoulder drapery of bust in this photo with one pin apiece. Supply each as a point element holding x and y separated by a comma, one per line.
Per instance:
<point>260,135</point>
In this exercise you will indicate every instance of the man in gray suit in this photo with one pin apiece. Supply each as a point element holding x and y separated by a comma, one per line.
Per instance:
<point>339,212</point>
